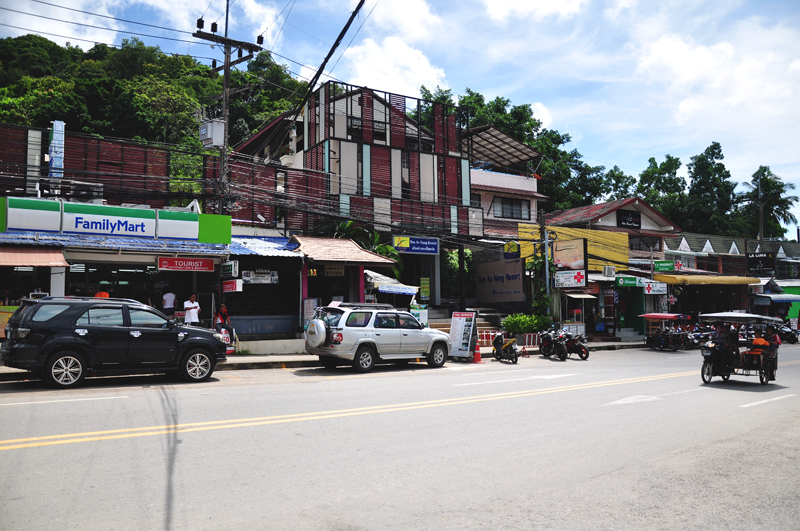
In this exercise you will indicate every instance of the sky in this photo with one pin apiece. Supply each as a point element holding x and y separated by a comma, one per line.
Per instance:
<point>626,79</point>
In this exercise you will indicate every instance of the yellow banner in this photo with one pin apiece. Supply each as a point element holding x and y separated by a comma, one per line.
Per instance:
<point>611,248</point>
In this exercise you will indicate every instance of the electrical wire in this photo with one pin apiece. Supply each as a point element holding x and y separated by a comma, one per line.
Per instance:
<point>110,17</point>
<point>354,35</point>
<point>277,35</point>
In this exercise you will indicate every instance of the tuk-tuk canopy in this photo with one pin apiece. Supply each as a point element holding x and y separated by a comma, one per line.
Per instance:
<point>667,316</point>
<point>738,318</point>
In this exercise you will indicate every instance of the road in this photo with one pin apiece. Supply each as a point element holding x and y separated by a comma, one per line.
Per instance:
<point>628,439</point>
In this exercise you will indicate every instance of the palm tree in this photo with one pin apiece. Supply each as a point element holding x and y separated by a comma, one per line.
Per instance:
<point>770,203</point>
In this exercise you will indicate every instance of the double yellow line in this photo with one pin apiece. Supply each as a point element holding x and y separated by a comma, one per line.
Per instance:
<point>108,435</point>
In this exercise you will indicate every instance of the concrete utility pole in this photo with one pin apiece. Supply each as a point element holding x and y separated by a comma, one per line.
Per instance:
<point>222,183</point>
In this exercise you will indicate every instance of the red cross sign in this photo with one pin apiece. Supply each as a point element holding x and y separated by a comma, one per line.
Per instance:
<point>648,288</point>
<point>672,299</point>
<point>678,266</point>
<point>579,277</point>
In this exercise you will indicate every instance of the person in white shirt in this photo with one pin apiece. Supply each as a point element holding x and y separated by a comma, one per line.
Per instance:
<point>168,303</point>
<point>192,309</point>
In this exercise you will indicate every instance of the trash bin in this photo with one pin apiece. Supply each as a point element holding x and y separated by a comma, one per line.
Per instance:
<point>622,321</point>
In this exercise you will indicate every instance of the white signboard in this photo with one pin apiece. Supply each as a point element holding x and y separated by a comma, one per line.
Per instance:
<point>260,276</point>
<point>99,220</point>
<point>655,288</point>
<point>420,315</point>
<point>570,279</point>
<point>500,281</point>
<point>462,327</point>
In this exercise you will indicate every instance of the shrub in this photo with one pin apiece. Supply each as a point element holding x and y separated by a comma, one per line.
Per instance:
<point>519,323</point>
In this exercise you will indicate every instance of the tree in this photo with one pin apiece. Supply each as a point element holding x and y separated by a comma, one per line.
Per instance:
<point>712,195</point>
<point>622,186</point>
<point>769,190</point>
<point>662,188</point>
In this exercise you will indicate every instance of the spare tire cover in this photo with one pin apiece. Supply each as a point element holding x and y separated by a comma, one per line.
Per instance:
<point>315,333</point>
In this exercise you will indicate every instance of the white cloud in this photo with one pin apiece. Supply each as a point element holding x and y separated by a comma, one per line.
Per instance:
<point>412,20</point>
<point>502,10</point>
<point>392,65</point>
<point>617,7</point>
<point>543,114</point>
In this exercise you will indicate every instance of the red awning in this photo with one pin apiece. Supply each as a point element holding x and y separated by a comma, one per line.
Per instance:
<point>666,316</point>
<point>31,257</point>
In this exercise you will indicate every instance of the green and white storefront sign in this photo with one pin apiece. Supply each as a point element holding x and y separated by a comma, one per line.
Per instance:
<point>44,215</point>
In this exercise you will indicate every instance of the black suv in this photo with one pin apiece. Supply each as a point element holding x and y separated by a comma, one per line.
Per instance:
<point>63,338</point>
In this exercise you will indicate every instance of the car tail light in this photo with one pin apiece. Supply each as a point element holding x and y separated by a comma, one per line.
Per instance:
<point>336,338</point>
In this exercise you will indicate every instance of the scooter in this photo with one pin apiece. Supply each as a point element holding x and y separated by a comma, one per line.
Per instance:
<point>505,350</point>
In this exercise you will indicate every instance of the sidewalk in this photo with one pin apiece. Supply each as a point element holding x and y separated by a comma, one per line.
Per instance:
<point>293,361</point>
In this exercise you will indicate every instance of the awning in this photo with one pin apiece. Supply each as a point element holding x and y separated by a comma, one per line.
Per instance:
<point>339,251</point>
<point>775,297</point>
<point>580,296</point>
<point>388,284</point>
<point>704,279</point>
<point>398,289</point>
<point>21,256</point>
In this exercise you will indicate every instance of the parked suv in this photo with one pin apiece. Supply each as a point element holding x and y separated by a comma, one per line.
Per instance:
<point>64,338</point>
<point>363,334</point>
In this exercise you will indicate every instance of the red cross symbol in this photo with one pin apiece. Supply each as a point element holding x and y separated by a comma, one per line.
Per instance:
<point>678,265</point>
<point>578,277</point>
<point>648,288</point>
<point>672,299</point>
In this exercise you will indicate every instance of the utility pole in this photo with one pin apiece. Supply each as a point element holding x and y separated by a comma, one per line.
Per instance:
<point>543,231</point>
<point>223,181</point>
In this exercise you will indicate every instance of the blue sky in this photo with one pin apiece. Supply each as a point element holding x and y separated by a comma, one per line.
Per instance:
<point>627,79</point>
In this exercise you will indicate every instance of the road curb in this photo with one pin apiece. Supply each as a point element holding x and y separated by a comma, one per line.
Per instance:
<point>301,361</point>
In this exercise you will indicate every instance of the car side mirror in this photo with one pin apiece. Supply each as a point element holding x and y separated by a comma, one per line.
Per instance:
<point>171,324</point>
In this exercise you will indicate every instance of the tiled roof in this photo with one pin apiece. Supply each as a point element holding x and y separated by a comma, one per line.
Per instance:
<point>108,242</point>
<point>585,215</point>
<point>263,247</point>
<point>510,191</point>
<point>339,250</point>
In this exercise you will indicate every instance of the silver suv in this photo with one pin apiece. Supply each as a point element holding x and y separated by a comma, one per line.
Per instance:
<point>363,334</point>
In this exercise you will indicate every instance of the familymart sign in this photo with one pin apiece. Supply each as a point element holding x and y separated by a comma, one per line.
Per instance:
<point>99,220</point>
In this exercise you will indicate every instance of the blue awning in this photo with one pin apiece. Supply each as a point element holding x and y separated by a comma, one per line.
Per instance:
<point>71,241</point>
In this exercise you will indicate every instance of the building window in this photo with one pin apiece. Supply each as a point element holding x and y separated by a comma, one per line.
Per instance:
<point>379,132</point>
<point>405,174</point>
<point>644,243</point>
<point>511,208</point>
<point>354,130</point>
<point>475,200</point>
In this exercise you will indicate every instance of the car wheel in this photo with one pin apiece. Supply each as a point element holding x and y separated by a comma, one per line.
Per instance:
<point>196,366</point>
<point>328,362</point>
<point>546,350</point>
<point>584,352</point>
<point>706,372</point>
<point>562,351</point>
<point>438,356</point>
<point>364,360</point>
<point>65,369</point>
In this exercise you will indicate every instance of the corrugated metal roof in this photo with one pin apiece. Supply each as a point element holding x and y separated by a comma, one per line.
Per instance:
<point>107,242</point>
<point>263,247</point>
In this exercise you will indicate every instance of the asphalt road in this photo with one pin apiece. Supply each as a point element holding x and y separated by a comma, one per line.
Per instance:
<point>628,439</point>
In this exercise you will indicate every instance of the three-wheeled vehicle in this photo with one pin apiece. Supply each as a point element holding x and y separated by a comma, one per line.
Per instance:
<point>666,331</point>
<point>723,360</point>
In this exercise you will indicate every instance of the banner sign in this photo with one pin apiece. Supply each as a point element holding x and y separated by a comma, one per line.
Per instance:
<point>570,279</point>
<point>629,219</point>
<point>655,288</point>
<point>232,286</point>
<point>500,281</point>
<point>412,245</point>
<point>56,150</point>
<point>334,270</point>
<point>425,288</point>
<point>511,250</point>
<point>462,326</point>
<point>397,289</point>
<point>260,276</point>
<point>760,264</point>
<point>570,254</point>
<point>101,220</point>
<point>664,265</point>
<point>229,269</point>
<point>167,263</point>
<point>629,282</point>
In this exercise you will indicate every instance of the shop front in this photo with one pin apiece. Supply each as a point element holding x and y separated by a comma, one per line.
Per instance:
<point>133,253</point>
<point>696,294</point>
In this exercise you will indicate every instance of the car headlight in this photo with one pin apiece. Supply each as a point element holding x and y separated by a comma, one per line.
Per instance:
<point>219,338</point>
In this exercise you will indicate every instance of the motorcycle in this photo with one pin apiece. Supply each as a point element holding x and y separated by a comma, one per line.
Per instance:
<point>576,345</point>
<point>505,350</point>
<point>787,334</point>
<point>553,342</point>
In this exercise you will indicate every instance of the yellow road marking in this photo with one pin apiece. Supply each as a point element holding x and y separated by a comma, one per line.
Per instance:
<point>51,440</point>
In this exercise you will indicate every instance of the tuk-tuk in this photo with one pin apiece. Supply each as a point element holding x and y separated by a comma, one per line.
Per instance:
<point>667,331</point>
<point>724,358</point>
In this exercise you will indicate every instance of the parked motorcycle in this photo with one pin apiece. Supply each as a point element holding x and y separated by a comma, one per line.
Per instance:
<point>576,345</point>
<point>505,350</point>
<point>553,340</point>
<point>787,334</point>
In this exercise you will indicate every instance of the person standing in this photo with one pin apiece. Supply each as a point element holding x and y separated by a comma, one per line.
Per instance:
<point>192,309</point>
<point>168,303</point>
